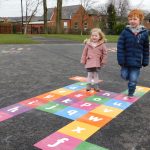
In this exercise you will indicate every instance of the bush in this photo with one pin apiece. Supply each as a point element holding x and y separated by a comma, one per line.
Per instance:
<point>118,28</point>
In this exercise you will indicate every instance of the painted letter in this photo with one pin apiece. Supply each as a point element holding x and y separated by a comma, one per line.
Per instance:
<point>59,141</point>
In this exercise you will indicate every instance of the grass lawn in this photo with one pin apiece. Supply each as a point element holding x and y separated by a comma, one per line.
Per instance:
<point>15,39</point>
<point>80,38</point>
<point>27,39</point>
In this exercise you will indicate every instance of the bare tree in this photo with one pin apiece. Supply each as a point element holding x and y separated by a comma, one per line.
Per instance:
<point>45,16</point>
<point>86,5</point>
<point>21,17</point>
<point>31,10</point>
<point>58,16</point>
<point>121,6</point>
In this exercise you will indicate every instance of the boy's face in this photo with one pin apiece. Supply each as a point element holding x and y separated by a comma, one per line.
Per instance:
<point>95,37</point>
<point>134,21</point>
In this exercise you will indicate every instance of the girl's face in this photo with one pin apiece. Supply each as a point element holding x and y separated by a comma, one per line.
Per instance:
<point>134,21</point>
<point>95,37</point>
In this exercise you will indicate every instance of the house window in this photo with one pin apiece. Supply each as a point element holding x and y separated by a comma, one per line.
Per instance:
<point>65,25</point>
<point>76,25</point>
<point>85,26</point>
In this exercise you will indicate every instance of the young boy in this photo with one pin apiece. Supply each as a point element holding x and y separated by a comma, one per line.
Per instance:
<point>133,50</point>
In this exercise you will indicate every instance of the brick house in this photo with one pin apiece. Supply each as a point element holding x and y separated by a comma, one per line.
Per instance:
<point>74,19</point>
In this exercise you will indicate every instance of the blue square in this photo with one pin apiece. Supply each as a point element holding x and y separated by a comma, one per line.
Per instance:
<point>71,113</point>
<point>74,87</point>
<point>118,104</point>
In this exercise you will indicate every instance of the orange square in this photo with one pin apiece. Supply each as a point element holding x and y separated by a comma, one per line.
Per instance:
<point>95,119</point>
<point>81,79</point>
<point>78,78</point>
<point>79,130</point>
<point>62,91</point>
<point>49,96</point>
<point>107,111</point>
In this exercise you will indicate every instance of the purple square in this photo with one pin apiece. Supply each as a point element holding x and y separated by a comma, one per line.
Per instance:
<point>107,94</point>
<point>58,141</point>
<point>15,109</point>
<point>66,100</point>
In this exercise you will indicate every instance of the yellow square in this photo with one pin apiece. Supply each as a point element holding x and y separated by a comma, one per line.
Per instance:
<point>62,91</point>
<point>107,111</point>
<point>79,130</point>
<point>142,89</point>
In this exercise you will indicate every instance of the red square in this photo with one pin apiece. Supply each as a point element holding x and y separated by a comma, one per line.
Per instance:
<point>4,116</point>
<point>34,102</point>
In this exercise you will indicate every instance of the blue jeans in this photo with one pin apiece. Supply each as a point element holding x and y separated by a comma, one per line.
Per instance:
<point>132,75</point>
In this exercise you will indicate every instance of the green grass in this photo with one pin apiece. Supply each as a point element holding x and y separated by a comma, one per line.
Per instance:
<point>79,38</point>
<point>15,39</point>
<point>27,39</point>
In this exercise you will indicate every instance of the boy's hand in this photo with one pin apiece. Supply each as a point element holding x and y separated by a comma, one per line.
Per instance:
<point>144,65</point>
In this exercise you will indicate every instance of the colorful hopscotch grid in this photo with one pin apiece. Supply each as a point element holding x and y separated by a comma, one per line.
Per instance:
<point>89,111</point>
<point>100,109</point>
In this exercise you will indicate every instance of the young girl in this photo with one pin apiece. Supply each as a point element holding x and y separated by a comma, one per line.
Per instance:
<point>94,57</point>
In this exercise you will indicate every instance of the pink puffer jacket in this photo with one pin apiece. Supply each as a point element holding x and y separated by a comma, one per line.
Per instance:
<point>94,56</point>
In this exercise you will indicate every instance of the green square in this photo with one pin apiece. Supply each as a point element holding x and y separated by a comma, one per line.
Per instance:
<point>51,107</point>
<point>97,99</point>
<point>81,83</point>
<point>89,146</point>
<point>139,94</point>
<point>125,92</point>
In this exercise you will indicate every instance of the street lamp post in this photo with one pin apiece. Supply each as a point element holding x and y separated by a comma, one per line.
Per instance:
<point>21,17</point>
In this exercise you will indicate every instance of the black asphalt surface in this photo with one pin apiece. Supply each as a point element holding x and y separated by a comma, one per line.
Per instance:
<point>30,70</point>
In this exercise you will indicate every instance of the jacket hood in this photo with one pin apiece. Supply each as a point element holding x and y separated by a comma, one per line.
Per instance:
<point>139,29</point>
<point>99,43</point>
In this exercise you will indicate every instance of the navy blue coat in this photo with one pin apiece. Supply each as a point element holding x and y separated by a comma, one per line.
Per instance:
<point>133,50</point>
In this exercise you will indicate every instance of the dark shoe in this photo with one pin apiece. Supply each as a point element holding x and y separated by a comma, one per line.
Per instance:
<point>88,87</point>
<point>96,87</point>
<point>130,96</point>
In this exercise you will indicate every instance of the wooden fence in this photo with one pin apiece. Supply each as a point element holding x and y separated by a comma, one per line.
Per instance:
<point>7,28</point>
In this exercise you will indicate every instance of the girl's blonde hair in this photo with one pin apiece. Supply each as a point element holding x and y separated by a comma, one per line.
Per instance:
<point>136,13</point>
<point>101,34</point>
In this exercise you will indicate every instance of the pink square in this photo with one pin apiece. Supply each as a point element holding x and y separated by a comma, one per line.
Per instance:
<point>4,116</point>
<point>124,97</point>
<point>58,141</point>
<point>85,105</point>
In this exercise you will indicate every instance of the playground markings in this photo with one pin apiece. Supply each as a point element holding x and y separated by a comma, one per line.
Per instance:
<point>89,112</point>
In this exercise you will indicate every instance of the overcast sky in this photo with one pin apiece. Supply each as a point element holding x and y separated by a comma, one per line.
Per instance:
<point>11,8</point>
